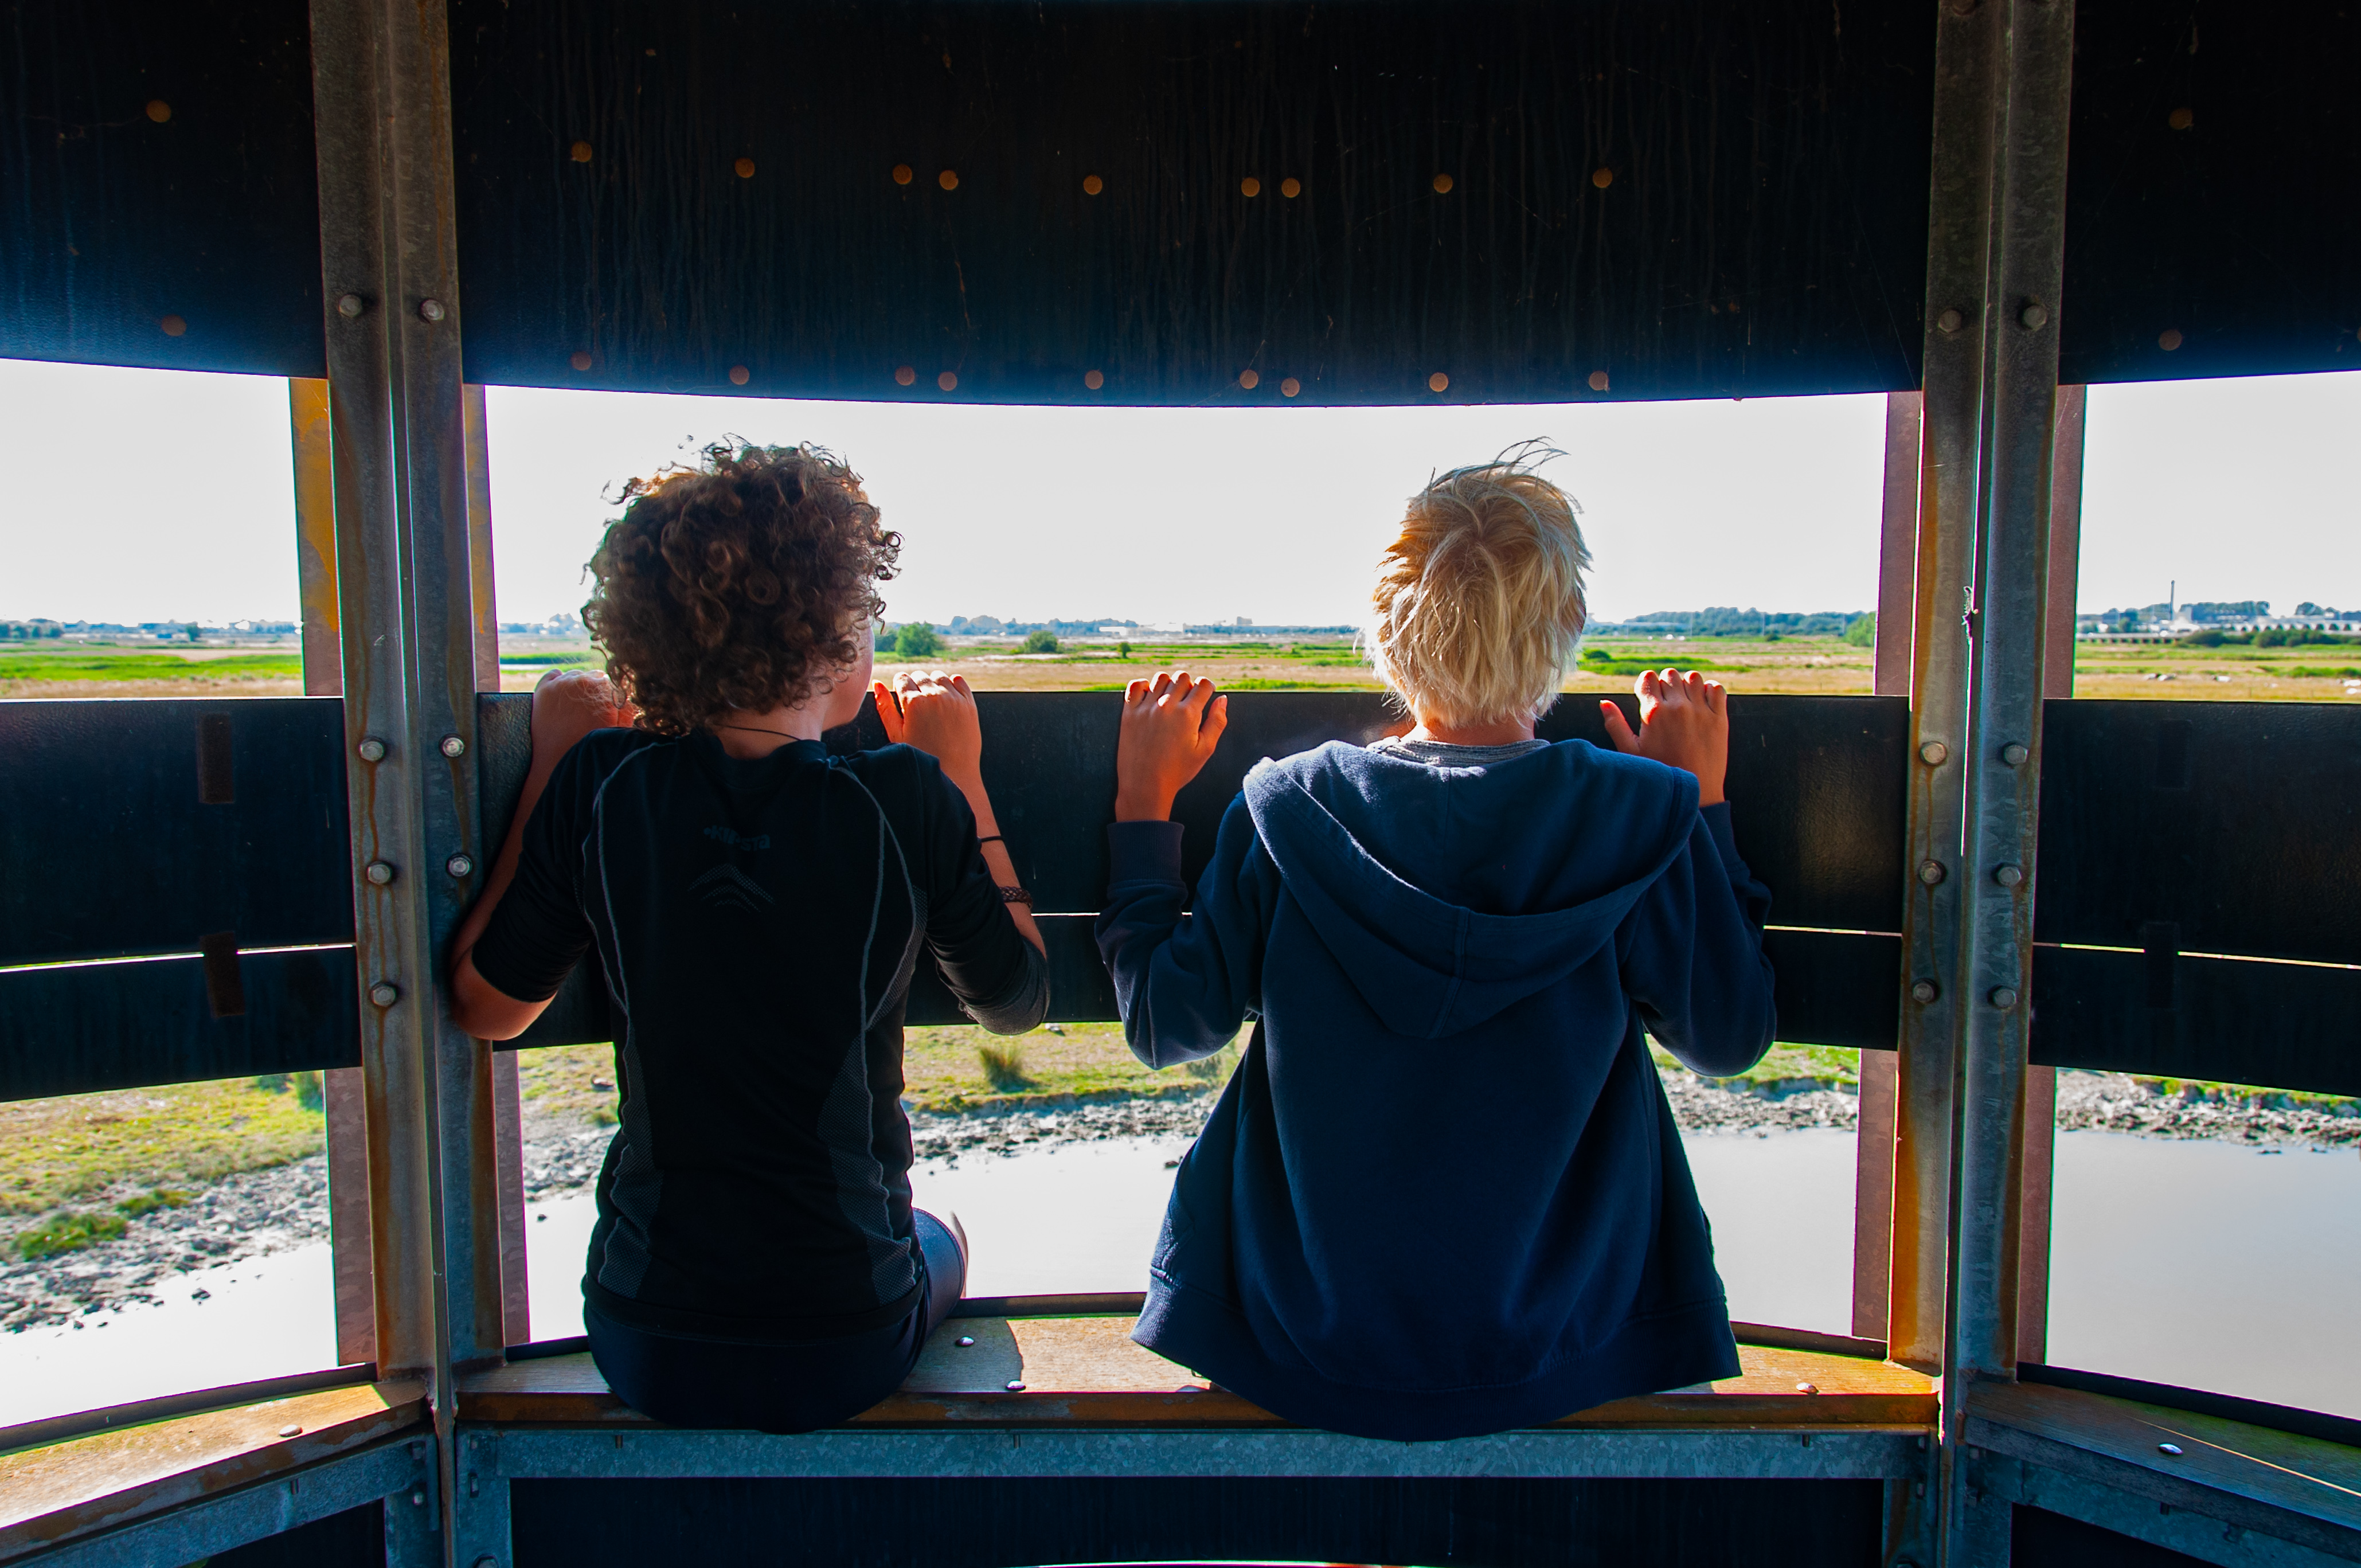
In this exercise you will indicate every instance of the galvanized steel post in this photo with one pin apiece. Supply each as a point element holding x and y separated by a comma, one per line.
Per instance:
<point>388,256</point>
<point>1995,264</point>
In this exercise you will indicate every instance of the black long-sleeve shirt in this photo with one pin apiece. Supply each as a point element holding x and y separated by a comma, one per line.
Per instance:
<point>757,922</point>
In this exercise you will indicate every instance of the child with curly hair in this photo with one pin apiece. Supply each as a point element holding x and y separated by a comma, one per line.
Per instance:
<point>758,906</point>
<point>1443,1194</point>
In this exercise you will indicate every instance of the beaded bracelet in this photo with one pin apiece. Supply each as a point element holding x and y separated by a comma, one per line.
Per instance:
<point>1016,895</point>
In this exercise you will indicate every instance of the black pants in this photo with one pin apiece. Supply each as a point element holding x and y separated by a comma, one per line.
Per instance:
<point>687,1380</point>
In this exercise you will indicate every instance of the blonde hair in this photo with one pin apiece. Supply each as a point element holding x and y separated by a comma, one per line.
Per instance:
<point>1478,603</point>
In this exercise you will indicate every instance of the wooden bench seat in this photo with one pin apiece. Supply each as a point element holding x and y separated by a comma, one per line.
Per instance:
<point>82,1485</point>
<point>1087,1371</point>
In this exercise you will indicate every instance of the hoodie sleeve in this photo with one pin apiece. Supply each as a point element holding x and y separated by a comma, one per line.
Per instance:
<point>1185,983</point>
<point>1692,955</point>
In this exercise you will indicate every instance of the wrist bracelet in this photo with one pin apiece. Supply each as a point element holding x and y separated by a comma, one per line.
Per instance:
<point>990,838</point>
<point>1016,895</point>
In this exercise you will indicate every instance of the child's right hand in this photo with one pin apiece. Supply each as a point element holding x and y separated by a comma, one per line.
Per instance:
<point>1684,723</point>
<point>1170,725</point>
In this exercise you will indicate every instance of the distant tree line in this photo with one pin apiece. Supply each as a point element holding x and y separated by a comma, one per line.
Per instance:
<point>1722,621</point>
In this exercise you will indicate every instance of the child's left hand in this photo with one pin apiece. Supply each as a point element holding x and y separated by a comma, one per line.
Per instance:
<point>569,705</point>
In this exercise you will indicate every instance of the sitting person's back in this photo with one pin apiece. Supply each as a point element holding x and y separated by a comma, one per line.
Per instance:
<point>1443,1193</point>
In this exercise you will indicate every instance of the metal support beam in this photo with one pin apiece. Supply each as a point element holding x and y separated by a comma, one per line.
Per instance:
<point>397,421</point>
<point>1994,264</point>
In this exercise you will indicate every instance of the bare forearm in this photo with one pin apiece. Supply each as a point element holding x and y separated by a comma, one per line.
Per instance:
<point>504,865</point>
<point>997,857</point>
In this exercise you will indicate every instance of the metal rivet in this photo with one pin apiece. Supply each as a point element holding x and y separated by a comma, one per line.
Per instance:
<point>174,326</point>
<point>1015,1386</point>
<point>1249,186</point>
<point>2168,339</point>
<point>2172,1447</point>
<point>744,167</point>
<point>579,359</point>
<point>1931,872</point>
<point>371,749</point>
<point>488,1560</point>
<point>2035,315</point>
<point>2009,876</point>
<point>1437,381</point>
<point>384,994</point>
<point>431,309</point>
<point>1290,386</point>
<point>902,175</point>
<point>965,1341</point>
<point>350,306</point>
<point>581,151</point>
<point>948,381</point>
<point>1925,991</point>
<point>1599,380</point>
<point>2180,120</point>
<point>1092,184</point>
<point>740,375</point>
<point>1249,379</point>
<point>1964,8</point>
<point>905,377</point>
<point>948,180</point>
<point>418,1497</point>
<point>474,1486</point>
<point>291,1430</point>
<point>1602,177</point>
<point>1094,379</point>
<point>2004,997</point>
<point>1442,184</point>
<point>1808,1388</point>
<point>2014,754</point>
<point>1290,187</point>
<point>460,865</point>
<point>453,746</point>
<point>379,872</point>
<point>158,110</point>
<point>1951,320</point>
<point>1934,753</point>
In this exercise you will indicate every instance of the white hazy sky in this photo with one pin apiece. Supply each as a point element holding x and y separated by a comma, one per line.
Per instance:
<point>143,494</point>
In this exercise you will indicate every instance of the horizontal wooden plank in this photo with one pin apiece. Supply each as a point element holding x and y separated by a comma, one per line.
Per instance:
<point>1088,1370</point>
<point>110,850</point>
<point>2298,1488</point>
<point>84,1027</point>
<point>1836,988</point>
<point>85,1485</point>
<point>2281,1024</point>
<point>2211,826</point>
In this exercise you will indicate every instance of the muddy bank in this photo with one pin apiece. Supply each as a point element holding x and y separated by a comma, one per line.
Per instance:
<point>2118,1102</point>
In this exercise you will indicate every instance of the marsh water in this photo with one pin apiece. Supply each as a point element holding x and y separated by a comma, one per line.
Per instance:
<point>2189,1261</point>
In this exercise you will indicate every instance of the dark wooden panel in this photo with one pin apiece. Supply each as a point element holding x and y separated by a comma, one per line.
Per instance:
<point>2039,1539</point>
<point>2284,1025</point>
<point>990,1524</point>
<point>2216,231</point>
<point>84,1027</point>
<point>1836,988</point>
<point>1764,231</point>
<point>111,852</point>
<point>116,220</point>
<point>2206,826</point>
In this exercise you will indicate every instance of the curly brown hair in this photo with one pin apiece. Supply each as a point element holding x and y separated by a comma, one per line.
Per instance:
<point>742,583</point>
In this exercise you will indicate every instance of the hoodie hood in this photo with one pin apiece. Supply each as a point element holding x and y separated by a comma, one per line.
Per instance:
<point>1429,967</point>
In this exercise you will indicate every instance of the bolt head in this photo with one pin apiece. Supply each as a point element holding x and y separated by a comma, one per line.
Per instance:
<point>384,994</point>
<point>1951,320</point>
<point>371,749</point>
<point>461,866</point>
<point>1925,991</point>
<point>2009,876</point>
<point>418,1497</point>
<point>1934,753</point>
<point>2014,754</point>
<point>454,747</point>
<point>2172,1447</point>
<point>2035,315</point>
<point>966,1339</point>
<point>2004,997</point>
<point>1930,872</point>
<point>1015,1386</point>
<point>431,309</point>
<point>350,306</point>
<point>379,872</point>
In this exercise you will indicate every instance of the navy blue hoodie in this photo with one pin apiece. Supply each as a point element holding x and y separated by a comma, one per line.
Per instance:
<point>1443,1194</point>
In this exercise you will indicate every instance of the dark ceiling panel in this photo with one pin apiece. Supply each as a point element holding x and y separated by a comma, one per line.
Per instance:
<point>1762,230</point>
<point>2210,190</point>
<point>113,219</point>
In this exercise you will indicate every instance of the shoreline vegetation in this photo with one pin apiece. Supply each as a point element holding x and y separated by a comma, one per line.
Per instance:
<point>1822,664</point>
<point>128,1197</point>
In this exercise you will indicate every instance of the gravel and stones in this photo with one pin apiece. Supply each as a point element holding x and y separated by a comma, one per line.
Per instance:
<point>2117,1102</point>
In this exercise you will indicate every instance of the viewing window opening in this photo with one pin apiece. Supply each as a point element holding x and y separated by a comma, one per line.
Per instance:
<point>1062,549</point>
<point>2220,543</point>
<point>149,537</point>
<point>155,1240</point>
<point>2208,1236</point>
